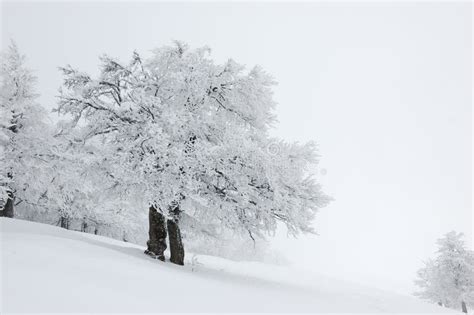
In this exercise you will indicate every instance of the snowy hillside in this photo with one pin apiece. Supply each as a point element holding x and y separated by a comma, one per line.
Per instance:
<point>48,269</point>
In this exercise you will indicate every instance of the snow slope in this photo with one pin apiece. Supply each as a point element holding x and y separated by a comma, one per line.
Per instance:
<point>48,269</point>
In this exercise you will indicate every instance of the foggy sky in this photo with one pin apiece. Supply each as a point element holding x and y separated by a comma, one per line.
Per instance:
<point>384,89</point>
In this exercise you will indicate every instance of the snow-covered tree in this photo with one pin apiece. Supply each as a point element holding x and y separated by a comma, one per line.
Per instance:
<point>449,278</point>
<point>191,139</point>
<point>24,145</point>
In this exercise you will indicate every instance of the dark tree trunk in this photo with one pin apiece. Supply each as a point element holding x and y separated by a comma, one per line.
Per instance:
<point>8,207</point>
<point>84,226</point>
<point>440,303</point>
<point>64,222</point>
<point>464,307</point>
<point>176,243</point>
<point>157,234</point>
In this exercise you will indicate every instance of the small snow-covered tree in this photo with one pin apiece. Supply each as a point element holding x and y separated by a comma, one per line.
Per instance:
<point>192,139</point>
<point>449,278</point>
<point>24,144</point>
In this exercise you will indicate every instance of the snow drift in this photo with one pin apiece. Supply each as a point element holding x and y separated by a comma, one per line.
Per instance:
<point>49,269</point>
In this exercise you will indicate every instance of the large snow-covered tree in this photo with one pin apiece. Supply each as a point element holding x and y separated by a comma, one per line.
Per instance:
<point>448,279</point>
<point>192,139</point>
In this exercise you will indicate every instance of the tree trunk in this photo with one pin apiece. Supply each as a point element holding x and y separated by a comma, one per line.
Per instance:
<point>84,226</point>
<point>464,307</point>
<point>64,222</point>
<point>176,243</point>
<point>440,303</point>
<point>8,207</point>
<point>157,234</point>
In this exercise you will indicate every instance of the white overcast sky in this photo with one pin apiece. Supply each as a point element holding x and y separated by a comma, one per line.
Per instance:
<point>384,88</point>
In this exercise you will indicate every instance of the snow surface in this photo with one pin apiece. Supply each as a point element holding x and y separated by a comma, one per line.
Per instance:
<point>48,269</point>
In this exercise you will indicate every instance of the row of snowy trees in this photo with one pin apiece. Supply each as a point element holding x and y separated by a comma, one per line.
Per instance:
<point>448,279</point>
<point>175,134</point>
